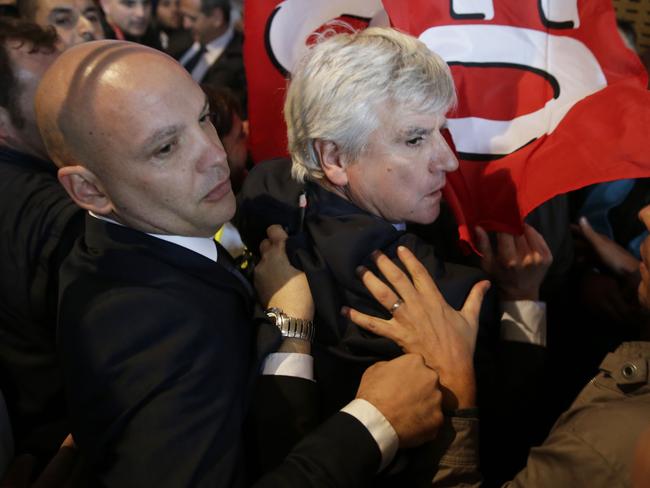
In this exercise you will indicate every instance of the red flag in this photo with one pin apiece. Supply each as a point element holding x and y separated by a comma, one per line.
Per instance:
<point>276,35</point>
<point>550,100</point>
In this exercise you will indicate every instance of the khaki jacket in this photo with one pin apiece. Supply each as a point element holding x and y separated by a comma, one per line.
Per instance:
<point>591,445</point>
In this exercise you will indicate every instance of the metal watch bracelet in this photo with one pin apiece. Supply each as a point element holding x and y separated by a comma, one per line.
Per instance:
<point>291,327</point>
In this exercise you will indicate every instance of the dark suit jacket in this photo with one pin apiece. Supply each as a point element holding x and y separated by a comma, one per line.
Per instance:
<point>39,224</point>
<point>228,70</point>
<point>157,346</point>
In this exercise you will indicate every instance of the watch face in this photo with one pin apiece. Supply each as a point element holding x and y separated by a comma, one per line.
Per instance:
<point>275,314</point>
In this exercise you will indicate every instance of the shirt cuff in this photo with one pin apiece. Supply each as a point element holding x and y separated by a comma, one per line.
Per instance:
<point>379,428</point>
<point>524,321</point>
<point>289,364</point>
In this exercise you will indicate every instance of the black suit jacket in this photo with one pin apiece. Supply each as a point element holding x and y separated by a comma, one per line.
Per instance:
<point>39,224</point>
<point>157,346</point>
<point>228,70</point>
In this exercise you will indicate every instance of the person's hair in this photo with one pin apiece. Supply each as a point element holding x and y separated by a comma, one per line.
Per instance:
<point>27,9</point>
<point>223,104</point>
<point>338,85</point>
<point>21,32</point>
<point>207,6</point>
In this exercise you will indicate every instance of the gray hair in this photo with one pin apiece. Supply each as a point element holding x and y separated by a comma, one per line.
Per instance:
<point>338,85</point>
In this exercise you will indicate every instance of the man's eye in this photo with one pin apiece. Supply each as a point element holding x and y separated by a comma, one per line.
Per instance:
<point>416,141</point>
<point>62,21</point>
<point>166,149</point>
<point>207,117</point>
<point>92,16</point>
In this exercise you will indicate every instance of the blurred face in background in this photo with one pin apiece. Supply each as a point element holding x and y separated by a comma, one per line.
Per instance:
<point>168,14</point>
<point>205,28</point>
<point>75,21</point>
<point>132,17</point>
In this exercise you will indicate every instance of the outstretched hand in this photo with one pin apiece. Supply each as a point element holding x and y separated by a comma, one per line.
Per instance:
<point>615,257</point>
<point>519,265</point>
<point>424,323</point>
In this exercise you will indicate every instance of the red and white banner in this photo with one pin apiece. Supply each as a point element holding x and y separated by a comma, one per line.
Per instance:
<point>550,100</point>
<point>277,33</point>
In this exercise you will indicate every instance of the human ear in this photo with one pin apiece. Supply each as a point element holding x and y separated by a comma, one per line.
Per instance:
<point>332,162</point>
<point>85,189</point>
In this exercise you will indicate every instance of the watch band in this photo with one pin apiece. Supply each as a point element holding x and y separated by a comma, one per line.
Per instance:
<point>291,327</point>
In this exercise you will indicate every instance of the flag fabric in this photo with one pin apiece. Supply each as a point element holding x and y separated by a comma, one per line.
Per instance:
<point>276,35</point>
<point>550,100</point>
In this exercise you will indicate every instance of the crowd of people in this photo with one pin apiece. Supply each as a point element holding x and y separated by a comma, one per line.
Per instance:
<point>171,315</point>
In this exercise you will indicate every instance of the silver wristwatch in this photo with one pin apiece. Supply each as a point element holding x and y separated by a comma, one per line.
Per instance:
<point>291,327</point>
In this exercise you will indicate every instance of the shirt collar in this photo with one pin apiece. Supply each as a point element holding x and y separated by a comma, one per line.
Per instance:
<point>204,246</point>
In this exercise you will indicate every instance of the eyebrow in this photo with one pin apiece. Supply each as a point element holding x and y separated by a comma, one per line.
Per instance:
<point>164,132</point>
<point>161,134</point>
<point>61,10</point>
<point>416,131</point>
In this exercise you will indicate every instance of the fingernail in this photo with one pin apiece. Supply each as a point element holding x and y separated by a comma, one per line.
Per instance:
<point>401,248</point>
<point>360,270</point>
<point>345,311</point>
<point>375,254</point>
<point>583,221</point>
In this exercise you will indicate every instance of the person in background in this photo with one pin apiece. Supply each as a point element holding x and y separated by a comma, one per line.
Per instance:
<point>75,21</point>
<point>129,20</point>
<point>40,224</point>
<point>216,55</point>
<point>168,21</point>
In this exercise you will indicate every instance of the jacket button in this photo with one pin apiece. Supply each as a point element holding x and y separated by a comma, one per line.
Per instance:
<point>629,370</point>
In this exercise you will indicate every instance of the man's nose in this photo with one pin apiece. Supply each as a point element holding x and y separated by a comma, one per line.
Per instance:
<point>85,29</point>
<point>443,158</point>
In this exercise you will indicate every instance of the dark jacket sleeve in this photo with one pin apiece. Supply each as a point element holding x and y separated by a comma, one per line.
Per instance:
<point>340,453</point>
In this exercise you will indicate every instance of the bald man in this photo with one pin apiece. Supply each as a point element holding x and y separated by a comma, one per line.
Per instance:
<point>155,327</point>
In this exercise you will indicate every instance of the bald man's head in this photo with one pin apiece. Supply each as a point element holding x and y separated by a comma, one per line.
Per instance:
<point>129,129</point>
<point>74,91</point>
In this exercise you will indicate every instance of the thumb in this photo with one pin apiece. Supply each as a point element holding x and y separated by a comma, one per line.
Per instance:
<point>472,306</point>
